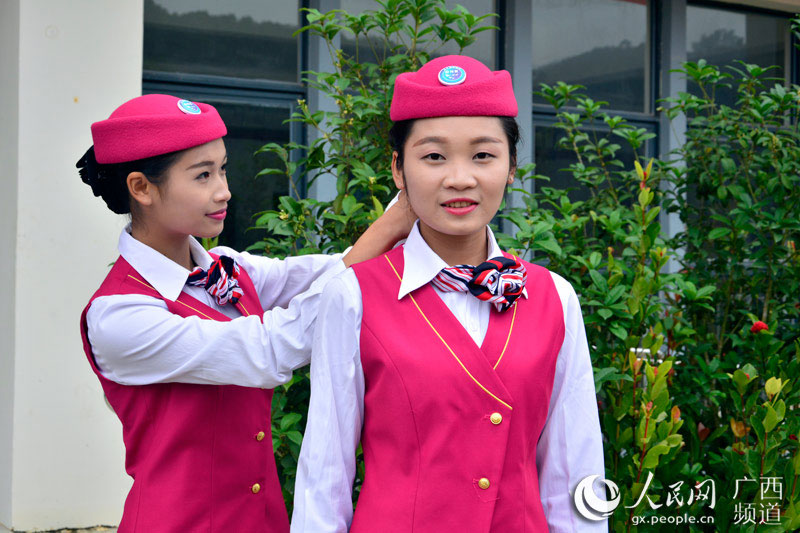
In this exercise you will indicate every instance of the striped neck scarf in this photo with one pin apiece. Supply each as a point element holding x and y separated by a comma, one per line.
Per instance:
<point>219,280</point>
<point>499,280</point>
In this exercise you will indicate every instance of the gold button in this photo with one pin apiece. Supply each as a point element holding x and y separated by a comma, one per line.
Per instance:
<point>496,418</point>
<point>260,436</point>
<point>483,483</point>
<point>255,488</point>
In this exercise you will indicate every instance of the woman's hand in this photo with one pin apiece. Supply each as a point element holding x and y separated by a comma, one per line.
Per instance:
<point>392,226</point>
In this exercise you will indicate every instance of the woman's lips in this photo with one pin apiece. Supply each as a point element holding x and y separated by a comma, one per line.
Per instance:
<point>218,215</point>
<point>460,206</point>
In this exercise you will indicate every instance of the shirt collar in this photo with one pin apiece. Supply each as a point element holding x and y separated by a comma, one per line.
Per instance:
<point>421,264</point>
<point>166,276</point>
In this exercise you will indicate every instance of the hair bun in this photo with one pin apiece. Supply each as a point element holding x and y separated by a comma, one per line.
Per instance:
<point>93,175</point>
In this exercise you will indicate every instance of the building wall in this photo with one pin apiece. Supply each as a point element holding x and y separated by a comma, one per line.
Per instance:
<point>9,96</point>
<point>77,61</point>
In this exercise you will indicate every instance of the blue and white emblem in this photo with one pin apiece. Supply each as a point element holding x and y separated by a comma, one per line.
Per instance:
<point>452,75</point>
<point>190,108</point>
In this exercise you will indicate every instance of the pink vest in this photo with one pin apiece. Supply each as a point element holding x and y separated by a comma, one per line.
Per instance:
<point>196,453</point>
<point>450,429</point>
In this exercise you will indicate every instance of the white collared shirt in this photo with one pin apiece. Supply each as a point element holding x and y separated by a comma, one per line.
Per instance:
<point>570,447</point>
<point>136,340</point>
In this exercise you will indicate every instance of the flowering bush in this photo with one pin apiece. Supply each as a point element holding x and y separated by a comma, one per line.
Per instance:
<point>739,169</point>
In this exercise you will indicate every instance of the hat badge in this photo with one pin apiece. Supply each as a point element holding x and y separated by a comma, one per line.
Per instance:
<point>452,75</point>
<point>190,108</point>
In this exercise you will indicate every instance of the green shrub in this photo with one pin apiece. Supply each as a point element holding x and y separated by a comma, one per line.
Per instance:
<point>739,168</point>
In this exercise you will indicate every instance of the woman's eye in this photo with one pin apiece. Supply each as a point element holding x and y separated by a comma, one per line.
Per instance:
<point>224,168</point>
<point>434,157</point>
<point>484,155</point>
<point>204,175</point>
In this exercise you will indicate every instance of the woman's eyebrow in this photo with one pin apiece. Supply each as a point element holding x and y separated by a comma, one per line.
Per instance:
<point>207,163</point>
<point>479,140</point>
<point>431,140</point>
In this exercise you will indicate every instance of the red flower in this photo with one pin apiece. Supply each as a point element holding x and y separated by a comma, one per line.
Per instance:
<point>758,326</point>
<point>793,437</point>
<point>702,431</point>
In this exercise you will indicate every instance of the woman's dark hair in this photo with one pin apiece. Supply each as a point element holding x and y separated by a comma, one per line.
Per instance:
<point>110,181</point>
<point>398,135</point>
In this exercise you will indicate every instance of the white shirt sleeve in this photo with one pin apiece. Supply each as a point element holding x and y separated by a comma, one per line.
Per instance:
<point>570,447</point>
<point>277,281</point>
<point>327,464</point>
<point>136,340</point>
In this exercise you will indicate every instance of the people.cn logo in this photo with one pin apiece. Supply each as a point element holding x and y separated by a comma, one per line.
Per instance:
<point>452,75</point>
<point>591,506</point>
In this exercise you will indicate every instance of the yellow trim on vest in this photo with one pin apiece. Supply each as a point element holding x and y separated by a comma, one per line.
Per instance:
<point>487,391</point>
<point>239,303</point>
<point>510,328</point>
<point>176,301</point>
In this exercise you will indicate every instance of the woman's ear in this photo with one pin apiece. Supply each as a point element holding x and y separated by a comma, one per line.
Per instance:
<point>140,188</point>
<point>511,173</point>
<point>397,173</point>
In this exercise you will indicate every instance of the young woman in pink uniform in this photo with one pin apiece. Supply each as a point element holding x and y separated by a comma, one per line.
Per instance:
<point>188,344</point>
<point>478,414</point>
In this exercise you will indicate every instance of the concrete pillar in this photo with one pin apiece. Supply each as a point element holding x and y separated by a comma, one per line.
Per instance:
<point>319,60</point>
<point>519,62</point>
<point>65,65</point>
<point>672,134</point>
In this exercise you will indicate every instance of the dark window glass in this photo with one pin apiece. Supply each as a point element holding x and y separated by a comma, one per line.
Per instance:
<point>484,48</point>
<point>243,39</point>
<point>554,162</point>
<point>249,128</point>
<point>603,45</point>
<point>721,37</point>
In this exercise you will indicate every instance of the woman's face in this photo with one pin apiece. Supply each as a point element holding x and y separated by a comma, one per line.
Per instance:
<point>194,197</point>
<point>455,171</point>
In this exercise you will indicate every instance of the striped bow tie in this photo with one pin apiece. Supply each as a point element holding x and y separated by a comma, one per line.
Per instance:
<point>219,280</point>
<point>499,280</point>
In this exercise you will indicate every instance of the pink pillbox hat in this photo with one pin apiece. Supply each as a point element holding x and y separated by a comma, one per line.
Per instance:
<point>154,124</point>
<point>453,86</point>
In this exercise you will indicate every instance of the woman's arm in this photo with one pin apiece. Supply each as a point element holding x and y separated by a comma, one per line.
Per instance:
<point>571,445</point>
<point>327,465</point>
<point>278,281</point>
<point>393,225</point>
<point>136,340</point>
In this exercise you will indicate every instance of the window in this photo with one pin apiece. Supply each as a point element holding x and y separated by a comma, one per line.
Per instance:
<point>600,44</point>
<point>605,46</point>
<point>722,36</point>
<point>240,57</point>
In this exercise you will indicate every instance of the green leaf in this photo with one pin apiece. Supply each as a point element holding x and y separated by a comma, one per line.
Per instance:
<point>652,455</point>
<point>716,233</point>
<point>618,331</point>
<point>598,280</point>
<point>290,420</point>
<point>771,419</point>
<point>295,437</point>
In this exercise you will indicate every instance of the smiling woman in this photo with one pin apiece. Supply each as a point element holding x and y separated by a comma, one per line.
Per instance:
<point>186,343</point>
<point>455,177</point>
<point>457,366</point>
